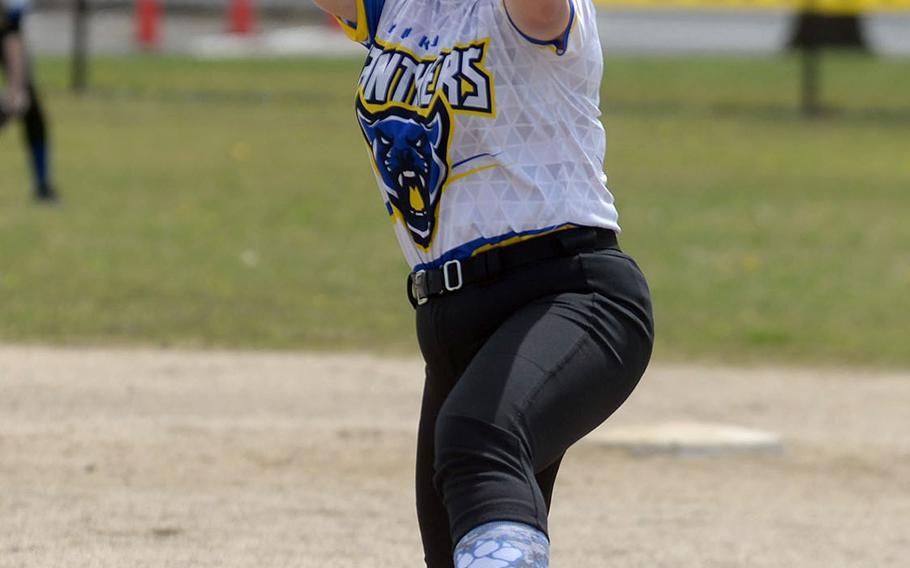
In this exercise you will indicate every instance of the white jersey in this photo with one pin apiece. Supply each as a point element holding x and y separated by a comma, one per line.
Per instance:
<point>480,136</point>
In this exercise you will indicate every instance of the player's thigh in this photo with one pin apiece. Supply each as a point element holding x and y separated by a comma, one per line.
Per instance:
<point>551,373</point>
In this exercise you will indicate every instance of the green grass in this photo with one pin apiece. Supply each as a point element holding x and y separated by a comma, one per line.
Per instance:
<point>232,204</point>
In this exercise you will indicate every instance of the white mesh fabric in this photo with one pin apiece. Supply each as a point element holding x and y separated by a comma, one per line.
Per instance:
<point>529,163</point>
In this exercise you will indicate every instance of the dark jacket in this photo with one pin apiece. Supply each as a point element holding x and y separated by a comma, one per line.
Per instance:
<point>11,12</point>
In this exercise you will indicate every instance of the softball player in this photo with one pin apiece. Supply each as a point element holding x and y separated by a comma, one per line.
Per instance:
<point>20,99</point>
<point>481,122</point>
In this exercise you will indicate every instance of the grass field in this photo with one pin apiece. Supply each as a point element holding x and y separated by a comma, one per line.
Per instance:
<point>231,204</point>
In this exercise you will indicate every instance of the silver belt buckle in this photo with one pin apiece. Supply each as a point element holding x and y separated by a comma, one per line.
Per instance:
<point>447,280</point>
<point>418,287</point>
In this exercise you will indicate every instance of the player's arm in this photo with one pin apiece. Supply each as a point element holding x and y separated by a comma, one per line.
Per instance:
<point>346,9</point>
<point>15,98</point>
<point>543,20</point>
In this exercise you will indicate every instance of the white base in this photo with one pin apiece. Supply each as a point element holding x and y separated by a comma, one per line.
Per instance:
<point>686,438</point>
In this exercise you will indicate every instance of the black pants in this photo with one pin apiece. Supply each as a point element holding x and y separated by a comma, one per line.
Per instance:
<point>517,370</point>
<point>35,127</point>
<point>35,134</point>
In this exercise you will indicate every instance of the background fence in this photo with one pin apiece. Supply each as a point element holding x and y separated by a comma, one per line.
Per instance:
<point>817,24</point>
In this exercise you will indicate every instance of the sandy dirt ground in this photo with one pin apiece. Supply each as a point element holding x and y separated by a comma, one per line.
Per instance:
<point>132,458</point>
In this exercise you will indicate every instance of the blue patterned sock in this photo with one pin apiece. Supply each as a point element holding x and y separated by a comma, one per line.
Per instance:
<point>503,544</point>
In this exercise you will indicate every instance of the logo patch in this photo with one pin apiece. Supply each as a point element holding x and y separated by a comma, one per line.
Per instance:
<point>393,74</point>
<point>406,104</point>
<point>410,151</point>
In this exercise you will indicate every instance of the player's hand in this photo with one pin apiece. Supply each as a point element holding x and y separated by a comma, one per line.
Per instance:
<point>15,102</point>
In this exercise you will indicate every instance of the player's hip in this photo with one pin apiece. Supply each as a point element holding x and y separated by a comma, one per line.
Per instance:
<point>603,288</point>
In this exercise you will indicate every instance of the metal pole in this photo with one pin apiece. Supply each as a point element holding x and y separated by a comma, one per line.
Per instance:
<point>79,77</point>
<point>811,63</point>
<point>809,40</point>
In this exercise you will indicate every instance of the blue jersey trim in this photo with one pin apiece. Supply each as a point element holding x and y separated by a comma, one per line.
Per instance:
<point>470,248</point>
<point>560,44</point>
<point>368,14</point>
<point>466,160</point>
<point>374,11</point>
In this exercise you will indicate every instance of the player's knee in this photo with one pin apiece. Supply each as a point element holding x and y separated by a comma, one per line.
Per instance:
<point>468,446</point>
<point>483,472</point>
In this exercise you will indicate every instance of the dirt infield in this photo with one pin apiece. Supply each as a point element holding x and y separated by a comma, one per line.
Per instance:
<point>158,458</point>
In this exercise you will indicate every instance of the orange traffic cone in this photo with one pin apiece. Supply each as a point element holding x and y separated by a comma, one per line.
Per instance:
<point>242,17</point>
<point>148,12</point>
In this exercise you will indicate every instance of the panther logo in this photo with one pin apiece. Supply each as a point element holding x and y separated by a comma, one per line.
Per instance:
<point>410,150</point>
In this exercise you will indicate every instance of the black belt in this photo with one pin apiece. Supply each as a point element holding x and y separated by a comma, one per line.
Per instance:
<point>456,274</point>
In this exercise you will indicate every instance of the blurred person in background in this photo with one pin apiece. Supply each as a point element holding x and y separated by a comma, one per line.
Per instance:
<point>20,99</point>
